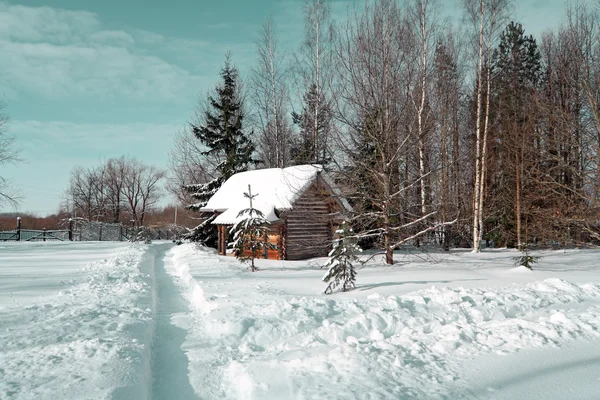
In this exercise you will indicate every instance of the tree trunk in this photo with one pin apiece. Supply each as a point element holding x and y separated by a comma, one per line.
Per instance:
<point>477,185</point>
<point>483,163</point>
<point>518,199</point>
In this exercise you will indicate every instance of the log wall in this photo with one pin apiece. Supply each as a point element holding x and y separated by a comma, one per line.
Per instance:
<point>309,227</point>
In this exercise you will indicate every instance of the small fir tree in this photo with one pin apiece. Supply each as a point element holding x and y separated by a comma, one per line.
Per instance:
<point>250,233</point>
<point>526,259</point>
<point>342,258</point>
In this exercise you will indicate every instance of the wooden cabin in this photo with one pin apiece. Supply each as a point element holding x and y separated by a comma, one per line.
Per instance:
<point>302,204</point>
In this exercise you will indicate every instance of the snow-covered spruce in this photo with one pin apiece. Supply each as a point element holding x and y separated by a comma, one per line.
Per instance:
<point>250,233</point>
<point>342,257</point>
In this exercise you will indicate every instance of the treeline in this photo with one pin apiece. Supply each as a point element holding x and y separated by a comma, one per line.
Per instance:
<point>118,190</point>
<point>8,221</point>
<point>486,133</point>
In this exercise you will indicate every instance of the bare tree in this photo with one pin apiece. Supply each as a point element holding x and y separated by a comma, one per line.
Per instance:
<point>374,53</point>
<point>312,65</point>
<point>117,187</point>
<point>114,175</point>
<point>425,34</point>
<point>571,138</point>
<point>583,30</point>
<point>488,17</point>
<point>8,154</point>
<point>86,194</point>
<point>447,97</point>
<point>141,189</point>
<point>271,97</point>
<point>187,165</point>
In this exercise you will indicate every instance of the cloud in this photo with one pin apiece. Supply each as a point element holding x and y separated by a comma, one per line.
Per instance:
<point>59,53</point>
<point>56,71</point>
<point>28,24</point>
<point>119,38</point>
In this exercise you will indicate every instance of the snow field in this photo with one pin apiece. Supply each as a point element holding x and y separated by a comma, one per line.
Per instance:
<point>251,336</point>
<point>85,333</point>
<point>121,321</point>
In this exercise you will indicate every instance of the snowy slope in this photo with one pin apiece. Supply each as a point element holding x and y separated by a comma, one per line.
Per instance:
<point>405,332</point>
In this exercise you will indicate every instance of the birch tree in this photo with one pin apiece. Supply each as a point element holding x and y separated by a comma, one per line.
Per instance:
<point>271,97</point>
<point>486,16</point>
<point>424,15</point>
<point>373,54</point>
<point>312,63</point>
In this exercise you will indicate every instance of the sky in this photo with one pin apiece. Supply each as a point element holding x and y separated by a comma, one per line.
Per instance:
<point>87,80</point>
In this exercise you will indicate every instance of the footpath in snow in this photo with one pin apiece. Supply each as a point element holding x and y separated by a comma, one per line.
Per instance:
<point>90,321</point>
<point>406,331</point>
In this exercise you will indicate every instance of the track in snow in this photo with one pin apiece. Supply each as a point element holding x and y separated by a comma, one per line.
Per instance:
<point>169,364</point>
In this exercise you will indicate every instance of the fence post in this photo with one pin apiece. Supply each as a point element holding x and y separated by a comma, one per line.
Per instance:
<point>70,229</point>
<point>100,234</point>
<point>18,229</point>
<point>44,234</point>
<point>120,232</point>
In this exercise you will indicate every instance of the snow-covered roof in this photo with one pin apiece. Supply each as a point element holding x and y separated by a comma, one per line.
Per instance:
<point>230,217</point>
<point>276,187</point>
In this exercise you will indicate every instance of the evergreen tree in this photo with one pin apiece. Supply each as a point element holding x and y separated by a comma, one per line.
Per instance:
<point>250,232</point>
<point>342,257</point>
<point>517,75</point>
<point>221,133</point>
<point>526,259</point>
<point>363,196</point>
<point>310,147</point>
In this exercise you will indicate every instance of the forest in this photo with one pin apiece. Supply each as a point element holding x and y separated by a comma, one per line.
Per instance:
<point>479,133</point>
<point>437,131</point>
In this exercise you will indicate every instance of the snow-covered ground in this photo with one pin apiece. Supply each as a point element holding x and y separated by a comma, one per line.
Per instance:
<point>405,332</point>
<point>121,321</point>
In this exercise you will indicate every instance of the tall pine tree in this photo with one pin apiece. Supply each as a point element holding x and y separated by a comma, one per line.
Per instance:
<point>221,133</point>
